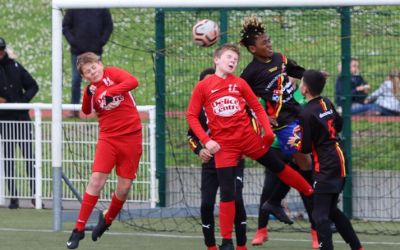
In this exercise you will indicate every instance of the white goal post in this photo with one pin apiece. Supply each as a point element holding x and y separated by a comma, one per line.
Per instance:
<point>58,5</point>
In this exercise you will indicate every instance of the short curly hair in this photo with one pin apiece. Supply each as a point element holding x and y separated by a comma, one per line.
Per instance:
<point>252,28</point>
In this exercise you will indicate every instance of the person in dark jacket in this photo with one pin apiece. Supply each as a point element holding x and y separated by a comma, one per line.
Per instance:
<point>359,89</point>
<point>86,30</point>
<point>16,86</point>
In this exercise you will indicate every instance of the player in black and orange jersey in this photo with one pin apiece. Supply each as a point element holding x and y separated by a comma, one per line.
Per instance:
<point>319,127</point>
<point>209,187</point>
<point>268,76</point>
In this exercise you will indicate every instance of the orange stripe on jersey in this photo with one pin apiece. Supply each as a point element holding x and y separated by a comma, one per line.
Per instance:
<point>280,102</point>
<point>284,59</point>
<point>342,160</point>
<point>280,84</point>
<point>317,167</point>
<point>323,105</point>
<point>298,145</point>
<point>192,144</point>
<point>256,125</point>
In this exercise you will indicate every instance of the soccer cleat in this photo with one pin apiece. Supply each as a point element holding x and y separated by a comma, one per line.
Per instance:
<point>241,248</point>
<point>260,237</point>
<point>76,236</point>
<point>226,246</point>
<point>314,239</point>
<point>277,211</point>
<point>212,248</point>
<point>100,228</point>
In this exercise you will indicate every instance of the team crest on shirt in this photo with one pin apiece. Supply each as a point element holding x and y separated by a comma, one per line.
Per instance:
<point>276,95</point>
<point>101,101</point>
<point>107,81</point>
<point>226,106</point>
<point>273,69</point>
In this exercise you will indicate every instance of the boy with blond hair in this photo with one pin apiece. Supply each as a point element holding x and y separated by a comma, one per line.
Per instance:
<point>119,143</point>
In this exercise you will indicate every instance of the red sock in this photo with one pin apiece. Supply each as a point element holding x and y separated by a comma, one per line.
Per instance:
<point>226,218</point>
<point>294,179</point>
<point>115,206</point>
<point>88,203</point>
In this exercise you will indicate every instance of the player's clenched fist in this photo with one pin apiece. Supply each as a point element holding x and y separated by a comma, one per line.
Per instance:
<point>91,89</point>
<point>212,146</point>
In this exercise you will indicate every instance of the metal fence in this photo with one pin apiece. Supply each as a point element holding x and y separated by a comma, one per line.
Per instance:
<point>319,38</point>
<point>26,166</point>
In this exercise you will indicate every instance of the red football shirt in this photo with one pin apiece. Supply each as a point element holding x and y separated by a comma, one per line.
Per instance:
<point>224,101</point>
<point>123,117</point>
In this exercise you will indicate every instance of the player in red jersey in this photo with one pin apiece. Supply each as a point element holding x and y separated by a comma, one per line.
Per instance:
<point>223,96</point>
<point>319,126</point>
<point>209,186</point>
<point>119,143</point>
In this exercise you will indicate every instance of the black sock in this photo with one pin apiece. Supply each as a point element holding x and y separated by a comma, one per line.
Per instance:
<point>325,235</point>
<point>207,220</point>
<point>240,223</point>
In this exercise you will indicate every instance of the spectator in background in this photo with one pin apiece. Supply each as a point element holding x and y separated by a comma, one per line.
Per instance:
<point>386,99</point>
<point>359,88</point>
<point>86,30</point>
<point>16,86</point>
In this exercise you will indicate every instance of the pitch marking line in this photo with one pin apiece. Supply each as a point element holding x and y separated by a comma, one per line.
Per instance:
<point>190,236</point>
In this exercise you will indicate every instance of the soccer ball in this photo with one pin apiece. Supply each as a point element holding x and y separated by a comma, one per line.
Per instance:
<point>205,33</point>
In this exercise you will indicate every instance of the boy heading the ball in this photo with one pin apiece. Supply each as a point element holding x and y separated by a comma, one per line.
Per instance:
<point>224,97</point>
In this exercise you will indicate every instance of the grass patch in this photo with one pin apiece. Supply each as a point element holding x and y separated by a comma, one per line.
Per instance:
<point>31,229</point>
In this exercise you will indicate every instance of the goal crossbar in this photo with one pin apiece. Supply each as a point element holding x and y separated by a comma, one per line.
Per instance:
<point>213,3</point>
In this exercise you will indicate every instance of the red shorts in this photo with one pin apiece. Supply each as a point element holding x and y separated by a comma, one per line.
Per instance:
<point>122,151</point>
<point>250,144</point>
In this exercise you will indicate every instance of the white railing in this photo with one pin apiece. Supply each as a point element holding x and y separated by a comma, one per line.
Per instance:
<point>79,140</point>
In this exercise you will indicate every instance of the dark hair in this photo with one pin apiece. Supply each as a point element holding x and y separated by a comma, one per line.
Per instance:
<point>252,27</point>
<point>3,44</point>
<point>207,71</point>
<point>315,81</point>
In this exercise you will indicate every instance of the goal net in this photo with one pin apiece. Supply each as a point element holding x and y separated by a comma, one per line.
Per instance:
<point>310,36</point>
